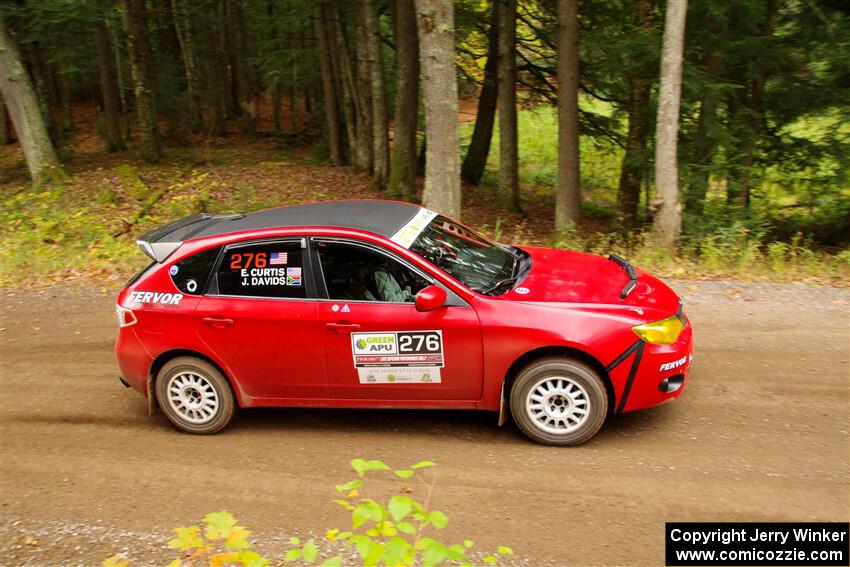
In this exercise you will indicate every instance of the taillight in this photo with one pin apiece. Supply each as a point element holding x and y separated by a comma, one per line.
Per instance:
<point>126,317</point>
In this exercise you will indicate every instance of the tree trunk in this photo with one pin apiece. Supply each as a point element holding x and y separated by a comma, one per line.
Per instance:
<point>108,90</point>
<point>704,144</point>
<point>635,158</point>
<point>45,88</point>
<point>350,97</point>
<point>403,166</point>
<point>568,197</point>
<point>187,49</point>
<point>380,133</point>
<point>754,115</point>
<point>363,82</point>
<point>4,123</point>
<point>241,68</point>
<point>119,77</point>
<point>19,95</point>
<point>332,122</point>
<point>479,146</point>
<point>508,135</point>
<point>139,55</point>
<point>64,86</point>
<point>435,19</point>
<point>668,218</point>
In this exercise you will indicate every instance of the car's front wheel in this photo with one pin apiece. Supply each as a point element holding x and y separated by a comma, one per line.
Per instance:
<point>194,395</point>
<point>559,401</point>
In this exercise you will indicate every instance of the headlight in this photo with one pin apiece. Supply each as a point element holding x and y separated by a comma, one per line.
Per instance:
<point>663,332</point>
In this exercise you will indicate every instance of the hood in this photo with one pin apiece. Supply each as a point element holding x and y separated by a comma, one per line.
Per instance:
<point>563,276</point>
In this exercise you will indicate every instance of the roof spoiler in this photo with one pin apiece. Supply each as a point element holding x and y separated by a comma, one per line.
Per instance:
<point>161,243</point>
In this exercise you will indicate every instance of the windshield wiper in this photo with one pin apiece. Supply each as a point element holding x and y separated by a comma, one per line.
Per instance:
<point>630,271</point>
<point>491,288</point>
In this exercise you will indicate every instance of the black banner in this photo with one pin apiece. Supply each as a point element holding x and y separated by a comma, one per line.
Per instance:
<point>757,543</point>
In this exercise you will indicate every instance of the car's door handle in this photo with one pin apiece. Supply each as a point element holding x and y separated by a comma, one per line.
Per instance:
<point>340,327</point>
<point>218,322</point>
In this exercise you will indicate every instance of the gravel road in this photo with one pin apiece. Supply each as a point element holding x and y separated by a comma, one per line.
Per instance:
<point>760,434</point>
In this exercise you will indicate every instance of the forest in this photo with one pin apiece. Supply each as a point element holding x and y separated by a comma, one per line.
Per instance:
<point>692,135</point>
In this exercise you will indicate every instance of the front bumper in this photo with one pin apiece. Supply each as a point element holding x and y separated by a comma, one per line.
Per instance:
<point>653,374</point>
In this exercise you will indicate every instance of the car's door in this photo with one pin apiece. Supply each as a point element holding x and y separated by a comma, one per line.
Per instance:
<point>377,345</point>
<point>260,318</point>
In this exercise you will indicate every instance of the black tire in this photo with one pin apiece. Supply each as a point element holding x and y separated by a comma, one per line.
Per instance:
<point>577,382</point>
<point>203,385</point>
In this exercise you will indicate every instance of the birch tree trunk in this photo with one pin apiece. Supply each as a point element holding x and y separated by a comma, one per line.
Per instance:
<point>568,196</point>
<point>508,136</point>
<point>403,163</point>
<point>139,55</point>
<point>19,95</point>
<point>435,20</point>
<point>668,217</point>
<point>108,89</point>
<point>380,134</point>
<point>479,145</point>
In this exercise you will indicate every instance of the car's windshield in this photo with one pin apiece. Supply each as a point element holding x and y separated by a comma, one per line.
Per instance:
<point>480,264</point>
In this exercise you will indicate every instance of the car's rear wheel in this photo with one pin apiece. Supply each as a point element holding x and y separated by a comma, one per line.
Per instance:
<point>559,401</point>
<point>194,395</point>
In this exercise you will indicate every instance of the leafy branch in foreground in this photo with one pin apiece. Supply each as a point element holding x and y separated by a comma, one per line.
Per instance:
<point>221,541</point>
<point>391,533</point>
<point>397,532</point>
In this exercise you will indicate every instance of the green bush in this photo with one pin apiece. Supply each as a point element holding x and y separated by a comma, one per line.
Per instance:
<point>394,531</point>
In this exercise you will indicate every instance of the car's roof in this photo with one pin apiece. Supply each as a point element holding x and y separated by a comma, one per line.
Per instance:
<point>379,217</point>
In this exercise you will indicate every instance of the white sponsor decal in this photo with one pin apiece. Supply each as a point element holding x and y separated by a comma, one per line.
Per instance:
<point>408,233</point>
<point>155,297</point>
<point>400,375</point>
<point>398,356</point>
<point>674,364</point>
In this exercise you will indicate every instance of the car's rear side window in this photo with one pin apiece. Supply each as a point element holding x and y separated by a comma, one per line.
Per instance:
<point>191,274</point>
<point>265,269</point>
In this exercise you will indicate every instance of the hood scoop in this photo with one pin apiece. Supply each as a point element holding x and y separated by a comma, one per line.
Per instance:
<point>630,271</point>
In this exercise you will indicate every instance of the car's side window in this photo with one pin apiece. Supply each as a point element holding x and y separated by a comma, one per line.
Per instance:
<point>359,273</point>
<point>190,275</point>
<point>264,269</point>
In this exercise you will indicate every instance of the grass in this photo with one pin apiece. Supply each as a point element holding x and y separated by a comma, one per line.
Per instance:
<point>85,228</point>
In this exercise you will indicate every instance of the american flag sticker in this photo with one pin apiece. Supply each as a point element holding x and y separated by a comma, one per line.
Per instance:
<point>277,259</point>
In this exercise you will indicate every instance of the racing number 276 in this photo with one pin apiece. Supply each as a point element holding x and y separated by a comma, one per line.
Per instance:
<point>419,342</point>
<point>242,260</point>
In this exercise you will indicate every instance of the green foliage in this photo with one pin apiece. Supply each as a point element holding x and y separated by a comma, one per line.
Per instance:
<point>735,250</point>
<point>220,541</point>
<point>392,531</point>
<point>398,531</point>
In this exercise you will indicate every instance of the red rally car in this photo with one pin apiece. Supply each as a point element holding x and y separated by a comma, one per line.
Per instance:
<point>389,305</point>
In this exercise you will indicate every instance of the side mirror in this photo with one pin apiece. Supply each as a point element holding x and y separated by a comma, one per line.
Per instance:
<point>430,298</point>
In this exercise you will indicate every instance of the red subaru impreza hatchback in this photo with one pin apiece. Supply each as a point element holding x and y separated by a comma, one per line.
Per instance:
<point>389,305</point>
